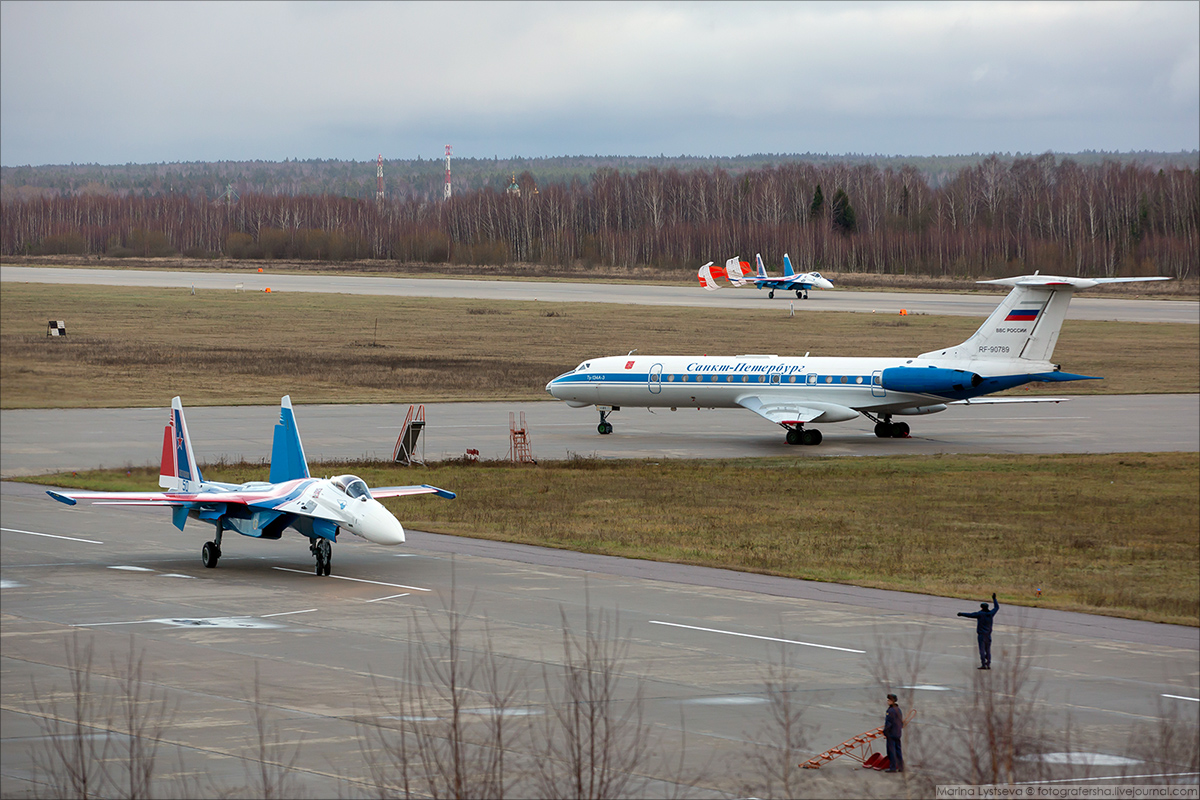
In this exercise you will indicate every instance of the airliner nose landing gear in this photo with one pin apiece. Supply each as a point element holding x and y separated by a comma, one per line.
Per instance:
<point>605,426</point>
<point>803,436</point>
<point>324,554</point>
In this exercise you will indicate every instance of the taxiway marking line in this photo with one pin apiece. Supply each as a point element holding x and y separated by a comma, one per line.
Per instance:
<point>1181,697</point>
<point>285,613</point>
<point>1118,777</point>
<point>356,580</point>
<point>51,535</point>
<point>753,636</point>
<point>390,597</point>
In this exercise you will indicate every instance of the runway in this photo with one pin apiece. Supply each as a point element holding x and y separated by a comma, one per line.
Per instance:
<point>1088,307</point>
<point>34,441</point>
<point>700,642</point>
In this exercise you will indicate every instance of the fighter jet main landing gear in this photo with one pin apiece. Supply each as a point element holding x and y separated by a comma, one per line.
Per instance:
<point>324,554</point>
<point>771,295</point>
<point>210,554</point>
<point>801,294</point>
<point>605,427</point>
<point>803,436</point>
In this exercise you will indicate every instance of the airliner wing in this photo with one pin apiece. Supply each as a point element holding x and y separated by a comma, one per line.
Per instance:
<point>980,401</point>
<point>781,411</point>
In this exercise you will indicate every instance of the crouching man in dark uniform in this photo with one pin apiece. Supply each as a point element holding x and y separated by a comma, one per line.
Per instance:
<point>983,628</point>
<point>893,728</point>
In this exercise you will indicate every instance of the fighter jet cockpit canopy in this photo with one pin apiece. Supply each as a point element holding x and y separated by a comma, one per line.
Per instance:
<point>352,485</point>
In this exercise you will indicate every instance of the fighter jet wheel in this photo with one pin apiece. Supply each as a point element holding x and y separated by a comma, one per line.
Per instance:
<point>799,295</point>
<point>794,436</point>
<point>771,294</point>
<point>210,554</point>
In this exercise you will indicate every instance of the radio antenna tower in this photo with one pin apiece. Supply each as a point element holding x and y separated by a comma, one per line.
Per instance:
<point>379,180</point>
<point>446,191</point>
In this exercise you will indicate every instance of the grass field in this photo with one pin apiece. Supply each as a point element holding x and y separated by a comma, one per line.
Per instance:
<point>1110,534</point>
<point>139,347</point>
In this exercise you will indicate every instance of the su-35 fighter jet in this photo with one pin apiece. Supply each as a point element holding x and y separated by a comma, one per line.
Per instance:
<point>316,507</point>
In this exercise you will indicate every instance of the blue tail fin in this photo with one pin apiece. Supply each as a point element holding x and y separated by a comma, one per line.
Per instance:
<point>788,272</point>
<point>287,453</point>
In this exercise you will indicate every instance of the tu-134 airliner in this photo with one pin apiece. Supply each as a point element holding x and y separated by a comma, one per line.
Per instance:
<point>1012,347</point>
<point>318,508</point>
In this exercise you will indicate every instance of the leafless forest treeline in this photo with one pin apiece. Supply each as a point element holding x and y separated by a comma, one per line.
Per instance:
<point>993,218</point>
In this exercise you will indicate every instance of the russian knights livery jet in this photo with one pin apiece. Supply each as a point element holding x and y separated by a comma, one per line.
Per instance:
<point>1011,348</point>
<point>318,508</point>
<point>736,272</point>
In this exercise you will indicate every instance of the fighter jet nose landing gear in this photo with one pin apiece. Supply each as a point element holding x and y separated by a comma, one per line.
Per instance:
<point>324,554</point>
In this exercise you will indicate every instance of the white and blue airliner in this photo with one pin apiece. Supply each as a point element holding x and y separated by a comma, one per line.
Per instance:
<point>1013,347</point>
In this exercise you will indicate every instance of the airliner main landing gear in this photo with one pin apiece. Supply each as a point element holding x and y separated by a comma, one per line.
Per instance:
<point>210,554</point>
<point>605,427</point>
<point>886,429</point>
<point>324,554</point>
<point>803,436</point>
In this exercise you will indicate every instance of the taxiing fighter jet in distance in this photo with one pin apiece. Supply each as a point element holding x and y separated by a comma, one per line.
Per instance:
<point>738,274</point>
<point>318,508</point>
<point>791,280</point>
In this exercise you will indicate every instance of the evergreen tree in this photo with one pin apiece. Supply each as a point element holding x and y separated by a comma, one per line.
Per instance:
<point>818,203</point>
<point>843,213</point>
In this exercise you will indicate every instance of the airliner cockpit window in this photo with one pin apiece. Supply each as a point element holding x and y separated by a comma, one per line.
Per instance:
<point>352,485</point>
<point>583,366</point>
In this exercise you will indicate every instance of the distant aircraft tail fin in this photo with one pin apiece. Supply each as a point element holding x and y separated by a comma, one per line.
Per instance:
<point>788,272</point>
<point>287,453</point>
<point>1025,326</point>
<point>708,275</point>
<point>736,271</point>
<point>762,270</point>
<point>179,471</point>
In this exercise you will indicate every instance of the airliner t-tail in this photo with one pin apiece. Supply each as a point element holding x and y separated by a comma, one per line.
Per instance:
<point>317,508</point>
<point>1013,347</point>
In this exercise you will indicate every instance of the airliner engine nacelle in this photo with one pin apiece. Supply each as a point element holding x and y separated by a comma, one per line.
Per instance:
<point>929,380</point>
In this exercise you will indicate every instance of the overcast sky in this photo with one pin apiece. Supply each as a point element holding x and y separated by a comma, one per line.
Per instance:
<point>147,82</point>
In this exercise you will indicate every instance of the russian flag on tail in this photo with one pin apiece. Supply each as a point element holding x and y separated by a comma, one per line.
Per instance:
<point>1022,315</point>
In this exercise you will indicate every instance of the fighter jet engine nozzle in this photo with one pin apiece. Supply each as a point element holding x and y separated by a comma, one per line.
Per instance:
<point>930,380</point>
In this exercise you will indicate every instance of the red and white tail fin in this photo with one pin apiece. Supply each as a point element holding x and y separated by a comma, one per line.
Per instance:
<point>179,471</point>
<point>762,269</point>
<point>736,271</point>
